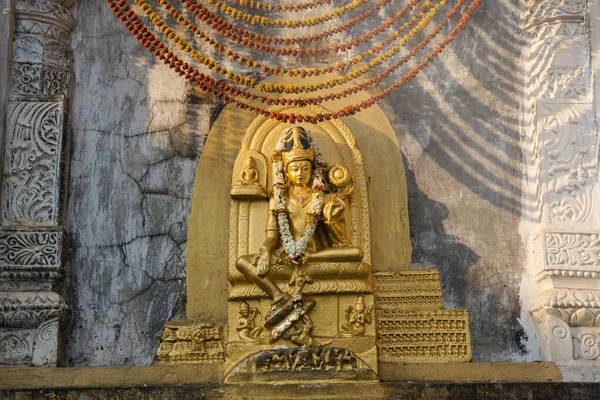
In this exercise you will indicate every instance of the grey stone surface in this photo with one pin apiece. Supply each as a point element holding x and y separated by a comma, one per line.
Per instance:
<point>459,127</point>
<point>6,30</point>
<point>134,146</point>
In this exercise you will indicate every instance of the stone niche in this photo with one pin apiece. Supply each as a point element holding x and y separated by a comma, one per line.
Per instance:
<point>229,212</point>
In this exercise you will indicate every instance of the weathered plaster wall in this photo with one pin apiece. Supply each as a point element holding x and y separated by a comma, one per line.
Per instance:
<point>459,127</point>
<point>136,137</point>
<point>134,147</point>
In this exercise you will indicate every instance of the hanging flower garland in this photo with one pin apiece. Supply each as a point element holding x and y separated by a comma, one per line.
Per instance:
<point>279,88</point>
<point>289,51</point>
<point>283,7</point>
<point>266,22</point>
<point>229,94</point>
<point>227,29</point>
<point>295,249</point>
<point>158,22</point>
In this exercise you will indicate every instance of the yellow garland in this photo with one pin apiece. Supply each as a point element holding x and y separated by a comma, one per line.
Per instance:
<point>252,63</point>
<point>282,8</point>
<point>284,23</point>
<point>279,88</point>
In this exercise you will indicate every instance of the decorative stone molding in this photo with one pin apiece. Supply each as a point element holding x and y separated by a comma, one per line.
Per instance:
<point>412,325</point>
<point>29,259</point>
<point>564,166</point>
<point>32,166</point>
<point>29,309</point>
<point>190,342</point>
<point>31,234</point>
<point>29,326</point>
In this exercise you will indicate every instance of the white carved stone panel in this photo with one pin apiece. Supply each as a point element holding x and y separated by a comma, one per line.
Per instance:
<point>586,344</point>
<point>16,346</point>
<point>568,250</point>
<point>568,154</point>
<point>31,235</point>
<point>45,18</point>
<point>29,259</point>
<point>33,151</point>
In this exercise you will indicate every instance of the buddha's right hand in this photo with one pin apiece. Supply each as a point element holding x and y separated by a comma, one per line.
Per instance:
<point>263,261</point>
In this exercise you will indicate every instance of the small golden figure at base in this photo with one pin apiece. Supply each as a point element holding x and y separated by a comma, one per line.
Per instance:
<point>246,328</point>
<point>357,318</point>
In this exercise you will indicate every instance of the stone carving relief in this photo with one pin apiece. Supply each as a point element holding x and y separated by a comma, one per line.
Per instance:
<point>569,165</point>
<point>246,327</point>
<point>29,309</point>
<point>29,256</point>
<point>45,344</point>
<point>358,317</point>
<point>16,347</point>
<point>586,346</point>
<point>188,342</point>
<point>28,49</point>
<point>564,83</point>
<point>56,81</point>
<point>572,249</point>
<point>423,336</point>
<point>57,55</point>
<point>27,79</point>
<point>412,325</point>
<point>540,11</point>
<point>31,235</point>
<point>331,362</point>
<point>32,162</point>
<point>43,17</point>
<point>29,248</point>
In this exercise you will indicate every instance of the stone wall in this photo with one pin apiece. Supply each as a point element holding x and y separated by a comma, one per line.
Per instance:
<point>136,134</point>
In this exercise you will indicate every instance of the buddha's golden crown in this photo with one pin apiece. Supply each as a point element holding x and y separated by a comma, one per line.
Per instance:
<point>297,146</point>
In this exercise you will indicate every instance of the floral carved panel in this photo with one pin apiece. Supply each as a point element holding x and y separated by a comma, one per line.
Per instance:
<point>572,249</point>
<point>569,161</point>
<point>29,256</point>
<point>31,184</point>
<point>554,10</point>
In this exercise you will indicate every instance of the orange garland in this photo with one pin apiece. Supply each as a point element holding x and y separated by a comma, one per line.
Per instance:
<point>235,33</point>
<point>283,8</point>
<point>288,51</point>
<point>222,90</point>
<point>253,19</point>
<point>157,21</point>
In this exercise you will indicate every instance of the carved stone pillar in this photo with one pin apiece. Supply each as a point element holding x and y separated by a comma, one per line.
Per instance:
<point>31,232</point>
<point>565,167</point>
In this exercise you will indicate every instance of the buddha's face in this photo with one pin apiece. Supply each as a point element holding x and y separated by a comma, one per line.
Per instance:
<point>299,172</point>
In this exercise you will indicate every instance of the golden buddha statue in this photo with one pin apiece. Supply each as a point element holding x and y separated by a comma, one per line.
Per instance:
<point>306,224</point>
<point>249,175</point>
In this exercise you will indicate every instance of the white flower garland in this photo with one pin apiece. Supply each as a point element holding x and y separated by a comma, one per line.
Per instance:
<point>295,249</point>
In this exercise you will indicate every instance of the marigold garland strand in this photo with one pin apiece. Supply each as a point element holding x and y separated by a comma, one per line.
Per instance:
<point>289,51</point>
<point>279,88</point>
<point>283,7</point>
<point>222,90</point>
<point>159,23</point>
<point>227,29</point>
<point>266,22</point>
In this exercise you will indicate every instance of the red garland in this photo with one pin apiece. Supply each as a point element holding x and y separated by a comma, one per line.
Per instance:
<point>223,90</point>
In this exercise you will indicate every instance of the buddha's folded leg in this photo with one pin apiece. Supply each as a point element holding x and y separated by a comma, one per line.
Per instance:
<point>246,266</point>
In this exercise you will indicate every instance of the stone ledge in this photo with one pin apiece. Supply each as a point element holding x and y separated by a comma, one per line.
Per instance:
<point>470,372</point>
<point>405,391</point>
<point>212,373</point>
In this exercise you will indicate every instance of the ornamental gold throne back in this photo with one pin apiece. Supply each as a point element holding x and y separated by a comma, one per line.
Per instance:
<point>313,234</point>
